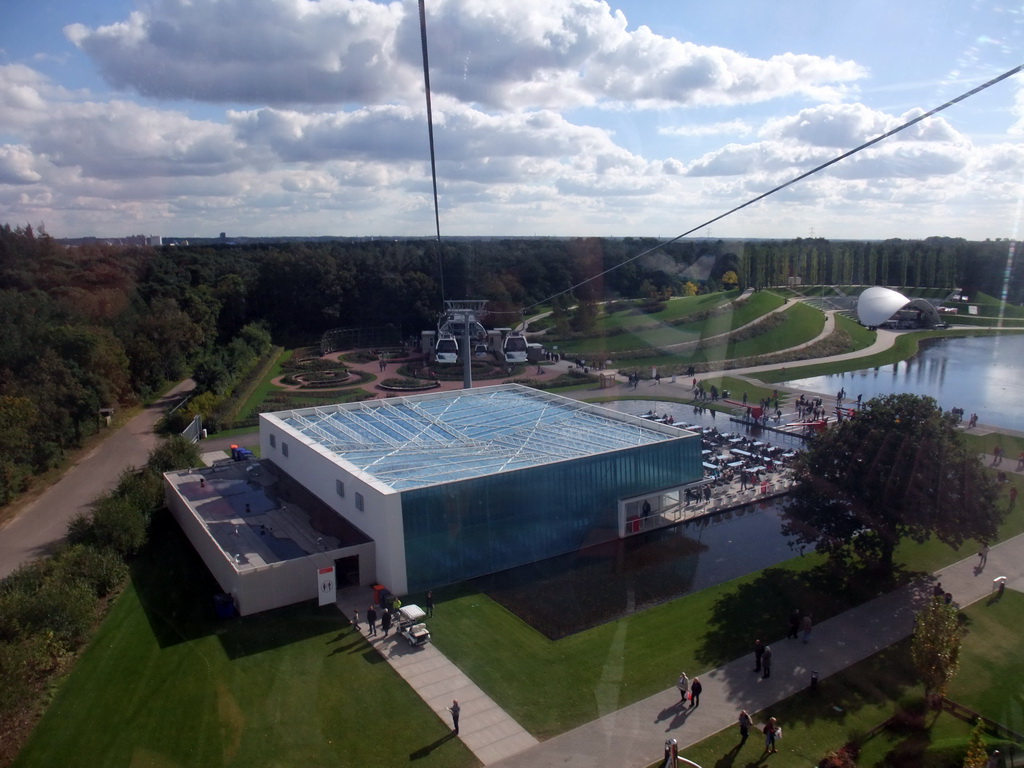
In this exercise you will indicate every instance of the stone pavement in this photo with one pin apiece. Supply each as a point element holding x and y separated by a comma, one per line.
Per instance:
<point>484,727</point>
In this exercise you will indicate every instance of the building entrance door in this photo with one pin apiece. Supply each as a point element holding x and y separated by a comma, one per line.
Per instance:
<point>347,571</point>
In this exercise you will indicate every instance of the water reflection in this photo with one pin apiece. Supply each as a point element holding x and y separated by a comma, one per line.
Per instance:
<point>583,589</point>
<point>980,374</point>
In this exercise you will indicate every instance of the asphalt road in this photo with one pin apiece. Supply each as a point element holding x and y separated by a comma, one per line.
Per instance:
<point>42,524</point>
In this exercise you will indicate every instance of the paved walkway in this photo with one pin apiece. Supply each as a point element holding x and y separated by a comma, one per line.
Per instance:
<point>634,737</point>
<point>485,728</point>
<point>35,531</point>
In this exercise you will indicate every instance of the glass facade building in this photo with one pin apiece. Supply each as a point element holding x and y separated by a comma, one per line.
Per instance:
<point>488,524</point>
<point>480,480</point>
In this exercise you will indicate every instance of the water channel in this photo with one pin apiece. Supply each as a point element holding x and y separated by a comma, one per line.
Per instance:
<point>582,589</point>
<point>981,374</point>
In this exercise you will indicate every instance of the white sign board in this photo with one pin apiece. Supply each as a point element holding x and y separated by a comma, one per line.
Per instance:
<point>328,590</point>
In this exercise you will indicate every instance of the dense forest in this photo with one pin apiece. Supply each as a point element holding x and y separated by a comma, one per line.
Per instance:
<point>91,326</point>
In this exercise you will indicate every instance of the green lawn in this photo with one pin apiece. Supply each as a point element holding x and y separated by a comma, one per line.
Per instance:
<point>675,309</point>
<point>655,331</point>
<point>801,324</point>
<point>549,686</point>
<point>165,684</point>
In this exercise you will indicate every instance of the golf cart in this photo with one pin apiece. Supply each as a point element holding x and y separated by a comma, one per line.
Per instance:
<point>411,626</point>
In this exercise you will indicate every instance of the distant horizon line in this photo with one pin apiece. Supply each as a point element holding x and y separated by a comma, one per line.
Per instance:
<point>138,239</point>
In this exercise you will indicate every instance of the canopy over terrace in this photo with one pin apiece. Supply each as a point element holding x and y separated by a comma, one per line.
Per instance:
<point>413,442</point>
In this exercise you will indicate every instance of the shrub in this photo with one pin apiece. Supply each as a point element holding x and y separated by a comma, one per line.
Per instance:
<point>174,453</point>
<point>143,489</point>
<point>119,525</point>
<point>23,664</point>
<point>839,758</point>
<point>101,570</point>
<point>80,530</point>
<point>65,609</point>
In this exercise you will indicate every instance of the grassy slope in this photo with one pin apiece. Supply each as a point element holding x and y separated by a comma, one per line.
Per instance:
<point>653,331</point>
<point>164,684</point>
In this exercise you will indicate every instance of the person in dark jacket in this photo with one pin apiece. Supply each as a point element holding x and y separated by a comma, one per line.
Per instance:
<point>695,689</point>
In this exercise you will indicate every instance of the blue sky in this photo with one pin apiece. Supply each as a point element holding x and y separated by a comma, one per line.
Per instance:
<point>552,117</point>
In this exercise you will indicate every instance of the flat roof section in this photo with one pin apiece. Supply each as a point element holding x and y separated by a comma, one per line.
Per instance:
<point>241,505</point>
<point>442,437</point>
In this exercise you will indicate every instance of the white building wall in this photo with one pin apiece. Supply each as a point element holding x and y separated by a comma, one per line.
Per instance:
<point>319,471</point>
<point>261,587</point>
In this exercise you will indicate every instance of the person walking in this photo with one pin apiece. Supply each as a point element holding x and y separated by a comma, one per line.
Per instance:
<point>695,689</point>
<point>758,655</point>
<point>794,624</point>
<point>385,622</point>
<point>371,619</point>
<point>766,662</point>
<point>355,619</point>
<point>807,628</point>
<point>771,733</point>
<point>983,554</point>
<point>430,603</point>
<point>456,710</point>
<point>683,684</point>
<point>745,723</point>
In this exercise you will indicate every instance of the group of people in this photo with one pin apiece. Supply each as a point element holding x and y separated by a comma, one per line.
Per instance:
<point>771,729</point>
<point>689,690</point>
<point>388,615</point>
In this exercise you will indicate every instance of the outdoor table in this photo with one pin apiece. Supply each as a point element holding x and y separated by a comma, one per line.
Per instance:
<point>735,464</point>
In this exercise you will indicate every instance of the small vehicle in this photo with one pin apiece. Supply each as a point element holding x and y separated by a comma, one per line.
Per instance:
<point>411,626</point>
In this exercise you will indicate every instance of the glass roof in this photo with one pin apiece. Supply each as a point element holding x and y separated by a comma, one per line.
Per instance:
<point>412,442</point>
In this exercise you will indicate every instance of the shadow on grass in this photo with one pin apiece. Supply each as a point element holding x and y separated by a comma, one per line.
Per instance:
<point>176,592</point>
<point>761,608</point>
<point>422,752</point>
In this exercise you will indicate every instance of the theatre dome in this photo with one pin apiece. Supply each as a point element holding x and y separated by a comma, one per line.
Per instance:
<point>877,304</point>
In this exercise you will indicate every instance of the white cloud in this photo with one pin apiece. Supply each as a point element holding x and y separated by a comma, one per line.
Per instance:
<point>265,52</point>
<point>737,127</point>
<point>532,54</point>
<point>16,166</point>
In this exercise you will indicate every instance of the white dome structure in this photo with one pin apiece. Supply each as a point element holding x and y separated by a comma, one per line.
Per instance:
<point>877,305</point>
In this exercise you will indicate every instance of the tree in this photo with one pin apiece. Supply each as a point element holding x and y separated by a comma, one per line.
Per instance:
<point>935,646</point>
<point>977,754</point>
<point>730,280</point>
<point>897,469</point>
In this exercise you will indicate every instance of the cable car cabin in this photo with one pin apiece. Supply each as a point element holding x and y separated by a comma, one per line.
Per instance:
<point>447,349</point>
<point>514,348</point>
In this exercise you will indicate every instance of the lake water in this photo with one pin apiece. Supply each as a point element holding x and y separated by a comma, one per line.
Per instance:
<point>981,374</point>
